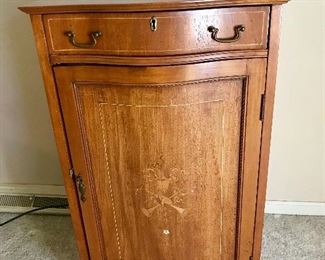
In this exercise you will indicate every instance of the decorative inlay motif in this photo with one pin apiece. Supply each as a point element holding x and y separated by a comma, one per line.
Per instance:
<point>167,186</point>
<point>163,188</point>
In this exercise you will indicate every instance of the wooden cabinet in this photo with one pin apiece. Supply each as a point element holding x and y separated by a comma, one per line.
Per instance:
<point>162,116</point>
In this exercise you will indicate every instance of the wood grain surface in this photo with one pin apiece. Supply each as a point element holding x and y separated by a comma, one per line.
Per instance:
<point>267,127</point>
<point>77,6</point>
<point>157,61</point>
<point>60,136</point>
<point>130,34</point>
<point>163,158</point>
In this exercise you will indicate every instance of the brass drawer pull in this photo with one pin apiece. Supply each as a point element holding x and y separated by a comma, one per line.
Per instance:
<point>94,36</point>
<point>214,31</point>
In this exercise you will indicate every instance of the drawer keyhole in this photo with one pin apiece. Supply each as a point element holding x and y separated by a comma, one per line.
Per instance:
<point>153,24</point>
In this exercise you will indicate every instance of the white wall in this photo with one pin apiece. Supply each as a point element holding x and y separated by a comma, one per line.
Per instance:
<point>297,173</point>
<point>27,150</point>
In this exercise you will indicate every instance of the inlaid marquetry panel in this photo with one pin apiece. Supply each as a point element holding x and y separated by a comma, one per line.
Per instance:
<point>166,158</point>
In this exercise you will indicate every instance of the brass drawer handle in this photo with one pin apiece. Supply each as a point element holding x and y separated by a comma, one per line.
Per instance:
<point>214,31</point>
<point>94,36</point>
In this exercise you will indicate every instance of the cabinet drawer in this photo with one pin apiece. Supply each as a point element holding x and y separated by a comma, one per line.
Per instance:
<point>158,33</point>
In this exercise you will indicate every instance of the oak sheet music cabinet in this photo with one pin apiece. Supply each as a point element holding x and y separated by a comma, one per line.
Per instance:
<point>162,117</point>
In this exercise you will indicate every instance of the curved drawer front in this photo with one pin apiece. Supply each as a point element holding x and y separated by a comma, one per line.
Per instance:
<point>158,33</point>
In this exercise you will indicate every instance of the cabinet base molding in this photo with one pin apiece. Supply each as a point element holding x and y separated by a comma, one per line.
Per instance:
<point>295,208</point>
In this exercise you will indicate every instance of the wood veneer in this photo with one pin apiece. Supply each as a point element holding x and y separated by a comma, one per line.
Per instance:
<point>163,135</point>
<point>129,34</point>
<point>100,6</point>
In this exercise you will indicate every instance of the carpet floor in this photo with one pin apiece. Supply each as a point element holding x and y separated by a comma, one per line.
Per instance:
<point>44,237</point>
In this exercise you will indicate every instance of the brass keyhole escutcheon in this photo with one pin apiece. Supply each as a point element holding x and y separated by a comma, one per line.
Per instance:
<point>153,24</point>
<point>81,188</point>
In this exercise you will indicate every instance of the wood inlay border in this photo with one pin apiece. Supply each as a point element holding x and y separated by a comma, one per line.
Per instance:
<point>183,14</point>
<point>103,131</point>
<point>243,116</point>
<point>163,106</point>
<point>101,104</point>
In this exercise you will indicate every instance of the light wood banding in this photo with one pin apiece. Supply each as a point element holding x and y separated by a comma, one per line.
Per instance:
<point>184,32</point>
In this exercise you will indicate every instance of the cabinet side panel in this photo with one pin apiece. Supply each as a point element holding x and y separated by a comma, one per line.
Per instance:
<point>267,126</point>
<point>59,133</point>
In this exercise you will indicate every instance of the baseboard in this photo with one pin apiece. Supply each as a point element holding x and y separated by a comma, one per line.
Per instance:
<point>18,210</point>
<point>26,189</point>
<point>19,198</point>
<point>295,208</point>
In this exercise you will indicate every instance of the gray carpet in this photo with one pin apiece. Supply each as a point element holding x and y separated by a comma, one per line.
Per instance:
<point>37,237</point>
<point>294,238</point>
<point>43,237</point>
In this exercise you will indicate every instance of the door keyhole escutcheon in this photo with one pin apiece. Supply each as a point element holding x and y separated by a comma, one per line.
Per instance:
<point>81,188</point>
<point>153,24</point>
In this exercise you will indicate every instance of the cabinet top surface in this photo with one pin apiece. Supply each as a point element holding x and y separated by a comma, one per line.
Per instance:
<point>72,6</point>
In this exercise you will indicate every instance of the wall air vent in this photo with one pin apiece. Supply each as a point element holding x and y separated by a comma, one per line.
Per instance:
<point>22,203</point>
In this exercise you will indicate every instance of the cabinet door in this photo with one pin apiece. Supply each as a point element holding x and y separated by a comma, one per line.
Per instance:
<point>168,157</point>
